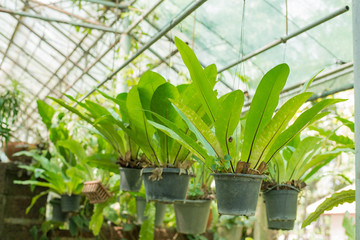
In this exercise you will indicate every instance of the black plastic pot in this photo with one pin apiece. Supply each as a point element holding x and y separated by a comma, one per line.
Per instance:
<point>130,179</point>
<point>140,209</point>
<point>172,187</point>
<point>192,216</point>
<point>281,207</point>
<point>70,203</point>
<point>237,194</point>
<point>160,213</point>
<point>57,214</point>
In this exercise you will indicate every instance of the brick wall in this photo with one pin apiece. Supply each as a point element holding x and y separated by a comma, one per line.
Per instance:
<point>14,199</point>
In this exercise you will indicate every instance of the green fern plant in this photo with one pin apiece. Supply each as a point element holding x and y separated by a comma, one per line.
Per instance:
<point>347,196</point>
<point>299,160</point>
<point>265,132</point>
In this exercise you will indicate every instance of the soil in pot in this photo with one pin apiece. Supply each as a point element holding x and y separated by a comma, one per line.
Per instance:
<point>237,194</point>
<point>192,216</point>
<point>57,214</point>
<point>166,186</point>
<point>281,208</point>
<point>70,203</point>
<point>130,179</point>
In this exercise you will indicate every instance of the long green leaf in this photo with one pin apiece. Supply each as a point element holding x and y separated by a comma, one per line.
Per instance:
<point>200,129</point>
<point>301,156</point>
<point>275,127</point>
<point>301,122</point>
<point>143,131</point>
<point>262,106</point>
<point>161,105</point>
<point>74,147</point>
<point>148,84</point>
<point>199,77</point>
<point>329,203</point>
<point>34,199</point>
<point>228,118</point>
<point>171,130</point>
<point>308,83</point>
<point>315,164</point>
<point>46,112</point>
<point>71,109</point>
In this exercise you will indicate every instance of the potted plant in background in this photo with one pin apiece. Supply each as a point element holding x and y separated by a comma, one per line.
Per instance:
<point>192,214</point>
<point>288,172</point>
<point>10,101</point>
<point>265,133</point>
<point>59,176</point>
<point>107,127</point>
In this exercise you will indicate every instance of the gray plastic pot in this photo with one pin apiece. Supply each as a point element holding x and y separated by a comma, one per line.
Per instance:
<point>234,233</point>
<point>57,214</point>
<point>281,208</point>
<point>70,203</point>
<point>237,194</point>
<point>130,179</point>
<point>160,213</point>
<point>140,209</point>
<point>192,216</point>
<point>172,187</point>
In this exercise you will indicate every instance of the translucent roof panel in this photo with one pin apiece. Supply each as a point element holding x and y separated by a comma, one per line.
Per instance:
<point>50,58</point>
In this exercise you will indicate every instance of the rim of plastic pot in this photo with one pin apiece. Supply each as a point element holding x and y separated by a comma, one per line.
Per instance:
<point>192,201</point>
<point>239,175</point>
<point>129,168</point>
<point>55,201</point>
<point>169,170</point>
<point>273,188</point>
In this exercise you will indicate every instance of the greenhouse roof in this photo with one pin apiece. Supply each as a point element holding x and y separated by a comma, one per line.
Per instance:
<point>57,47</point>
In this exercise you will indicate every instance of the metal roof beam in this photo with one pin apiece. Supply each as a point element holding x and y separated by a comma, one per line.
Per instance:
<point>58,9</point>
<point>172,41</point>
<point>29,55</point>
<point>53,47</point>
<point>47,19</point>
<point>319,77</point>
<point>285,38</point>
<point>173,22</point>
<point>117,40</point>
<point>29,73</point>
<point>108,4</point>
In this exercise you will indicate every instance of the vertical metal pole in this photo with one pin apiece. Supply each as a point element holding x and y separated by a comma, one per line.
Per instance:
<point>356,54</point>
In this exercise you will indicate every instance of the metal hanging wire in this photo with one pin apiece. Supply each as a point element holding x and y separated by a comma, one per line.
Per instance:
<point>286,29</point>
<point>241,49</point>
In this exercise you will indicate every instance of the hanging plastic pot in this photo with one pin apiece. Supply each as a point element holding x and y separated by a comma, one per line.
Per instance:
<point>95,192</point>
<point>236,193</point>
<point>281,208</point>
<point>70,203</point>
<point>165,184</point>
<point>160,213</point>
<point>130,179</point>
<point>233,233</point>
<point>192,216</point>
<point>57,214</point>
<point>140,209</point>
